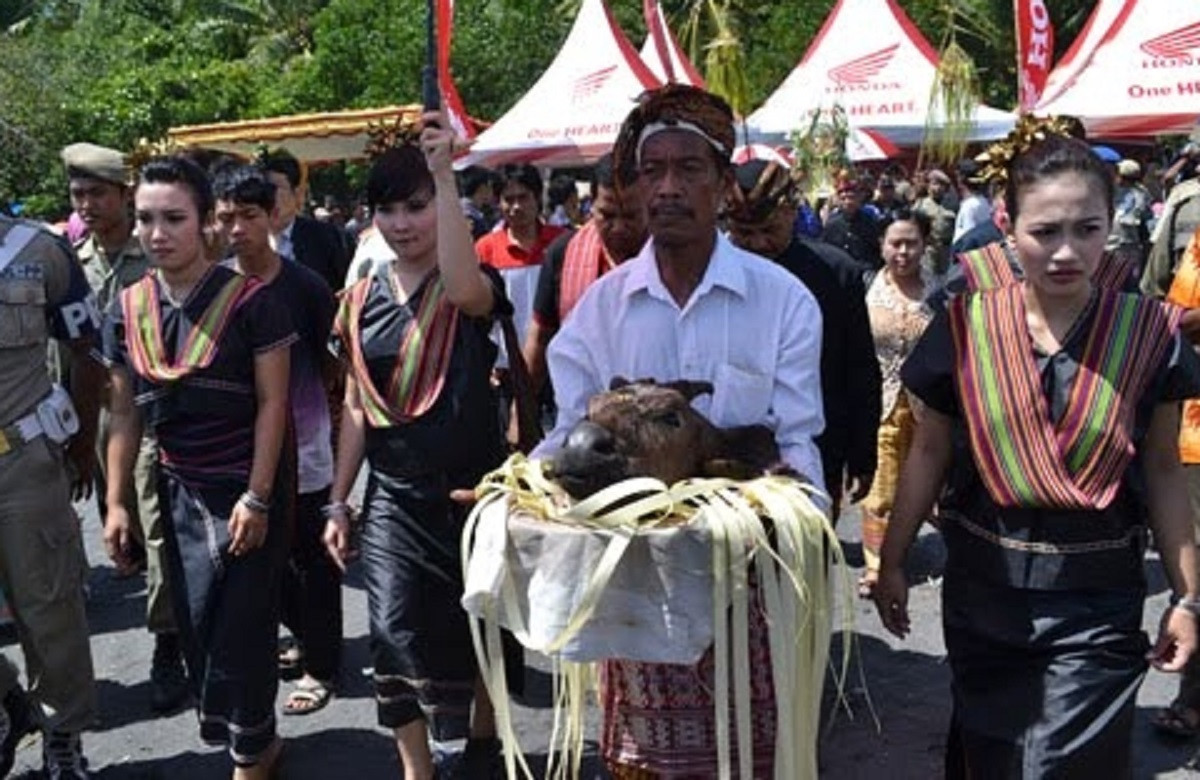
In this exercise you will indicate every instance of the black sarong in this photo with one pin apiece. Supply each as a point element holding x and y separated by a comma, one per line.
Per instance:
<point>227,609</point>
<point>1044,682</point>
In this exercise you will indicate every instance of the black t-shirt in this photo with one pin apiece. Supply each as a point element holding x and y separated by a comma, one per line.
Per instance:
<point>549,290</point>
<point>929,373</point>
<point>205,422</point>
<point>458,439</point>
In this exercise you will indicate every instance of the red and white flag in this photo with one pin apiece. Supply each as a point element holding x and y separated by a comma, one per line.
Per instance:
<point>1035,49</point>
<point>452,102</point>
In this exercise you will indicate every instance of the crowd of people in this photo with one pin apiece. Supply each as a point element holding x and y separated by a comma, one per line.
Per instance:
<point>1006,352</point>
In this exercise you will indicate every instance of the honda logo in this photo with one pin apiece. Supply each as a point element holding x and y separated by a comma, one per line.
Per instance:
<point>861,70</point>
<point>1175,45</point>
<point>589,84</point>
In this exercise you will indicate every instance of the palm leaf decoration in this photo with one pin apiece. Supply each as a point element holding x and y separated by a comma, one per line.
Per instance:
<point>956,91</point>
<point>709,33</point>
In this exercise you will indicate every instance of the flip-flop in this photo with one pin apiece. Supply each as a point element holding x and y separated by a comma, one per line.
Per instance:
<point>307,698</point>
<point>1174,721</point>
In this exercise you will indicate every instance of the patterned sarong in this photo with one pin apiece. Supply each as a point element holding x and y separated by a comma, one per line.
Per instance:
<point>421,363</point>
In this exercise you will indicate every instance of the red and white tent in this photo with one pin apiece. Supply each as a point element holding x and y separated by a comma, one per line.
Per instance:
<point>662,47</point>
<point>572,115</point>
<point>1135,71</point>
<point>870,59</point>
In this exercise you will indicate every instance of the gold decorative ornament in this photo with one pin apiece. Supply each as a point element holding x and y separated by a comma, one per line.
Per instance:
<point>1029,131</point>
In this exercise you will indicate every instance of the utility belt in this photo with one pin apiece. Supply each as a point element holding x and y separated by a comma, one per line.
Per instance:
<point>54,417</point>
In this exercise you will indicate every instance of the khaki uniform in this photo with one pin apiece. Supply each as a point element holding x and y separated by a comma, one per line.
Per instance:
<point>43,295</point>
<point>107,277</point>
<point>941,233</point>
<point>1179,220</point>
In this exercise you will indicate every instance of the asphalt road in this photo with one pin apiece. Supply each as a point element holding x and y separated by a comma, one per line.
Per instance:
<point>890,723</point>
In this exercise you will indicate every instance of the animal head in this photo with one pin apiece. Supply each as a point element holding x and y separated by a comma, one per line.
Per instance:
<point>648,429</point>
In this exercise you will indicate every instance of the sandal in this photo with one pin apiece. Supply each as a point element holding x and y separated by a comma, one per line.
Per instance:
<point>1178,720</point>
<point>309,696</point>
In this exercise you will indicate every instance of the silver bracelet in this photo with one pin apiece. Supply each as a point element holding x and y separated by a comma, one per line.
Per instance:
<point>1187,604</point>
<point>337,509</point>
<point>255,502</point>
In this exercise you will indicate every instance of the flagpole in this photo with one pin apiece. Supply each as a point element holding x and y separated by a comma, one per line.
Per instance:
<point>431,97</point>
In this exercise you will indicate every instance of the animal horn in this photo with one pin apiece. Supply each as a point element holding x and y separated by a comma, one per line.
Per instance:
<point>690,388</point>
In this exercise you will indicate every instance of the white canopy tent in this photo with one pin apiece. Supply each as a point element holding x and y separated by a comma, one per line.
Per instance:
<point>1135,71</point>
<point>871,60</point>
<point>653,54</point>
<point>572,115</point>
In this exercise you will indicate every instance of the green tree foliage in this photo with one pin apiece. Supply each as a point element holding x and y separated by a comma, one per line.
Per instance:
<point>115,71</point>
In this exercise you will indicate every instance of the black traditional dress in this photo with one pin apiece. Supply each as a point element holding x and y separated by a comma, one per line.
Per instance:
<point>423,371</point>
<point>1042,597</point>
<point>198,395</point>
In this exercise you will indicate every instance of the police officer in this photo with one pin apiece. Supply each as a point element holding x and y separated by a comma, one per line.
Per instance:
<point>47,455</point>
<point>112,259</point>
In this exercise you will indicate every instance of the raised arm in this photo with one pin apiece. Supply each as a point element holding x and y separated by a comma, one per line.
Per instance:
<point>466,286</point>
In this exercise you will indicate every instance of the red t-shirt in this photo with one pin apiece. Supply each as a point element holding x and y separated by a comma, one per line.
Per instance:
<point>498,251</point>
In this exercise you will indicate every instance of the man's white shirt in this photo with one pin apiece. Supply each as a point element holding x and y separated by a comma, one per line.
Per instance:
<point>750,328</point>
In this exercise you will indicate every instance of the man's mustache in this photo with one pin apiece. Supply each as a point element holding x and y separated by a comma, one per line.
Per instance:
<point>671,210</point>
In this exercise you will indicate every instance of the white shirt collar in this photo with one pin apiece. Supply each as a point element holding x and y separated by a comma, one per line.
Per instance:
<point>724,270</point>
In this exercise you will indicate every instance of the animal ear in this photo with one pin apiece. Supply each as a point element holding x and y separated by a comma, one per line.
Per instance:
<point>690,389</point>
<point>618,382</point>
<point>752,444</point>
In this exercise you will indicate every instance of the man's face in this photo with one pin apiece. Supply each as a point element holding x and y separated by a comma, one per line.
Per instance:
<point>484,196</point>
<point>937,189</point>
<point>850,200</point>
<point>769,236</point>
<point>682,185</point>
<point>519,206</point>
<point>620,221</point>
<point>102,205</point>
<point>287,200</point>
<point>245,228</point>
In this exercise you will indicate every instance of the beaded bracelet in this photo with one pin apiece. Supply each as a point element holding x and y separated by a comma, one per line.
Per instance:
<point>254,502</point>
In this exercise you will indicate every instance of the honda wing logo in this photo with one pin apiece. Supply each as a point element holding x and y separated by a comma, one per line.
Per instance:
<point>589,84</point>
<point>862,69</point>
<point>1177,44</point>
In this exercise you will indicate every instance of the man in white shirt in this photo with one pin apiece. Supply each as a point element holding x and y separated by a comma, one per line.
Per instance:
<point>689,306</point>
<point>975,209</point>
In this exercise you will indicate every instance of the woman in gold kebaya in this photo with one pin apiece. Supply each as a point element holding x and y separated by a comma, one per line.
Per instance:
<point>1067,393</point>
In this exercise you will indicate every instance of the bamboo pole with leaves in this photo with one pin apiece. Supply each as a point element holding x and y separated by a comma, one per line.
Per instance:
<point>956,90</point>
<point>710,30</point>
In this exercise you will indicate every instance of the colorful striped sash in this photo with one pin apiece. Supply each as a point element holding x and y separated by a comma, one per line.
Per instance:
<point>1025,459</point>
<point>585,261</point>
<point>142,308</point>
<point>1185,292</point>
<point>1113,271</point>
<point>421,363</point>
<point>989,267</point>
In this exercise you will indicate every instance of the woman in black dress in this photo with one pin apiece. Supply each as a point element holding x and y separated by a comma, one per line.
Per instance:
<point>1068,394</point>
<point>420,408</point>
<point>201,354</point>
